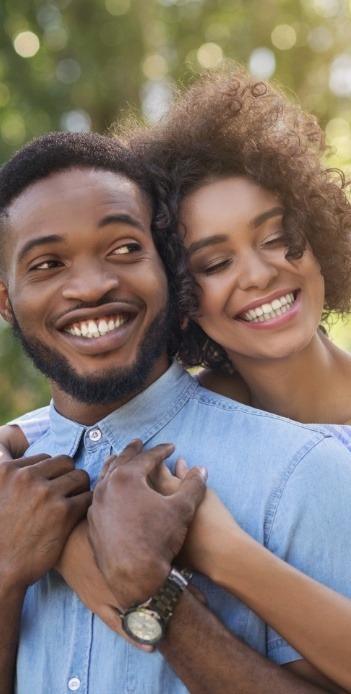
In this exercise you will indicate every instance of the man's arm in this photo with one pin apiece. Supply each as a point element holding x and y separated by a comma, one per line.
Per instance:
<point>208,658</point>
<point>41,500</point>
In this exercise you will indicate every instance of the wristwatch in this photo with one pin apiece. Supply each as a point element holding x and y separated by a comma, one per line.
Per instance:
<point>146,623</point>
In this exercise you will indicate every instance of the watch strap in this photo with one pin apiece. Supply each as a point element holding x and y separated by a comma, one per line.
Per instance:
<point>167,596</point>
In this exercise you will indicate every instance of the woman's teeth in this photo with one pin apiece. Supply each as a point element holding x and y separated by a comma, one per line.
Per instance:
<point>96,328</point>
<point>275,308</point>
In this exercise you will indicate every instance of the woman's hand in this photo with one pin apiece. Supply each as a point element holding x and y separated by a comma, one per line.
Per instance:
<point>13,442</point>
<point>204,548</point>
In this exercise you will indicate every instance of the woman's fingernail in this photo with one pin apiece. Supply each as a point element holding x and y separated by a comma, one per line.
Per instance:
<point>203,472</point>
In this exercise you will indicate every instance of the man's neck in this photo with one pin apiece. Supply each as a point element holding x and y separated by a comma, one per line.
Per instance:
<point>88,415</point>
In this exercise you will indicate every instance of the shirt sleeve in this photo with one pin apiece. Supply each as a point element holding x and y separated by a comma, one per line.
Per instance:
<point>34,424</point>
<point>309,526</point>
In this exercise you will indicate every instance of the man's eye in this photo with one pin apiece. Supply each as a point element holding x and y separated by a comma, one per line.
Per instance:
<point>46,265</point>
<point>131,247</point>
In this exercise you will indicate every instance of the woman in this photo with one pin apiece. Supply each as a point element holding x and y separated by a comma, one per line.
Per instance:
<point>267,232</point>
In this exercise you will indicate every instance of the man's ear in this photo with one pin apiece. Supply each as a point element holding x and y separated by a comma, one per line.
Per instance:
<point>5,304</point>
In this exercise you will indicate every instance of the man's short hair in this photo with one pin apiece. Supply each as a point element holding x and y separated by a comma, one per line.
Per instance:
<point>57,151</point>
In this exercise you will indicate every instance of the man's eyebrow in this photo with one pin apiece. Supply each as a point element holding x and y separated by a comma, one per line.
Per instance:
<point>34,243</point>
<point>208,241</point>
<point>120,219</point>
<point>274,212</point>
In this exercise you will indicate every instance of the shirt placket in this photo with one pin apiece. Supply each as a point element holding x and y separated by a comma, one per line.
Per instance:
<point>91,455</point>
<point>77,673</point>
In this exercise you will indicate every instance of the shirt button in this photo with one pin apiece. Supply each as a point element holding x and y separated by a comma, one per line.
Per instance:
<point>95,434</point>
<point>74,684</point>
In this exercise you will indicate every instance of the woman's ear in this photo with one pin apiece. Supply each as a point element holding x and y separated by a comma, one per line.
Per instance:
<point>5,304</point>
<point>184,322</point>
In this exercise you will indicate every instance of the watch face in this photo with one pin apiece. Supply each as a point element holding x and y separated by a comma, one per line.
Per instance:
<point>143,625</point>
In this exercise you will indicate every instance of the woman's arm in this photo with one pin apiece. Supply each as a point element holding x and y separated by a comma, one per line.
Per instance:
<point>315,620</point>
<point>16,436</point>
<point>13,442</point>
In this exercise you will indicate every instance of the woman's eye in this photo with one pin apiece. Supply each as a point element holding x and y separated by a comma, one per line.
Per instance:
<point>278,240</point>
<point>215,267</point>
<point>131,247</point>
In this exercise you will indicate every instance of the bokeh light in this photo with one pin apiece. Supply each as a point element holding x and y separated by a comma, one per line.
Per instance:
<point>327,8</point>
<point>262,63</point>
<point>321,39</point>
<point>117,7</point>
<point>68,71</point>
<point>210,55</point>
<point>338,135</point>
<point>26,44</point>
<point>4,94</point>
<point>55,38</point>
<point>77,121</point>
<point>155,67</point>
<point>217,32</point>
<point>48,15</point>
<point>13,129</point>
<point>340,75</point>
<point>155,99</point>
<point>283,37</point>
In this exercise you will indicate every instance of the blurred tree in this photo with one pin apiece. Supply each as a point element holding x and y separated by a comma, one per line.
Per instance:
<point>77,64</point>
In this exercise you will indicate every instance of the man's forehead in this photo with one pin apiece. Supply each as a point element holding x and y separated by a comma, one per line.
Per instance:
<point>96,186</point>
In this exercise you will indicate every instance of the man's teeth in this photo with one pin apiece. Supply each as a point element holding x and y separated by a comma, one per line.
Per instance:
<point>275,308</point>
<point>95,328</point>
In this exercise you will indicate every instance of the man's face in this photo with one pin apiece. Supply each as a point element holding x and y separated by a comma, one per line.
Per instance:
<point>87,292</point>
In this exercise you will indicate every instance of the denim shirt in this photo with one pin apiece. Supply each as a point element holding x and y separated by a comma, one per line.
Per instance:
<point>287,484</point>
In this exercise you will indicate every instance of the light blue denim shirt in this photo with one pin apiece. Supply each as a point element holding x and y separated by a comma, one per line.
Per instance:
<point>287,484</point>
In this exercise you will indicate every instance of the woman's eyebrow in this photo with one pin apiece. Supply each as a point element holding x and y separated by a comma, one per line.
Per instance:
<point>273,212</point>
<point>208,241</point>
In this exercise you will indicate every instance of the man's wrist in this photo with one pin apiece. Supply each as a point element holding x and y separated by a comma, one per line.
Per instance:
<point>147,622</point>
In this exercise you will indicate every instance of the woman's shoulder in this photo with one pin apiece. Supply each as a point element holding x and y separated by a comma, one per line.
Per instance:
<point>232,386</point>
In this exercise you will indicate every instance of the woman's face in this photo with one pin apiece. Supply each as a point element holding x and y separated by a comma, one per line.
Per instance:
<point>253,301</point>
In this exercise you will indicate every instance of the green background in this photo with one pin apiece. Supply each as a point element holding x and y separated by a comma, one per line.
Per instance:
<point>79,64</point>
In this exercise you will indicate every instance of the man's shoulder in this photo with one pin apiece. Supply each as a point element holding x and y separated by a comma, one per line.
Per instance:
<point>231,409</point>
<point>251,432</point>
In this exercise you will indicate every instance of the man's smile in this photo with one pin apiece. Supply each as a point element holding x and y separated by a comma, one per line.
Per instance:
<point>96,328</point>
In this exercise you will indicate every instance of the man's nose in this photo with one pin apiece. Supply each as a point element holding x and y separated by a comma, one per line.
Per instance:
<point>89,281</point>
<point>255,271</point>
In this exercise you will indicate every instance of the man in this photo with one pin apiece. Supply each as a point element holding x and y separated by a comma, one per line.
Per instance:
<point>87,294</point>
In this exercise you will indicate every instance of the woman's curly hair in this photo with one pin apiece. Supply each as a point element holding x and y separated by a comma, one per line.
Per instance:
<point>225,124</point>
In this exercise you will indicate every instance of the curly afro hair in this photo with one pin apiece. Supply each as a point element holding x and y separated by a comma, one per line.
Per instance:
<point>60,151</point>
<point>229,124</point>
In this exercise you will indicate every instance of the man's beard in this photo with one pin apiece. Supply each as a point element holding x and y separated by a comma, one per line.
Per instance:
<point>104,387</point>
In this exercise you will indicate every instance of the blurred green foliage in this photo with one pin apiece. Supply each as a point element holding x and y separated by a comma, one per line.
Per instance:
<point>78,64</point>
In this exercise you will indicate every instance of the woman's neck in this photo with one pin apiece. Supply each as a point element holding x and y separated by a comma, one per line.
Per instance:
<point>311,386</point>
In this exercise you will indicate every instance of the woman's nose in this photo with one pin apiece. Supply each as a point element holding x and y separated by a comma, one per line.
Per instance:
<point>255,271</point>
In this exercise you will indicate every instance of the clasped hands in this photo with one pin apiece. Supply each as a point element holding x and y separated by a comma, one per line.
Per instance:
<point>137,522</point>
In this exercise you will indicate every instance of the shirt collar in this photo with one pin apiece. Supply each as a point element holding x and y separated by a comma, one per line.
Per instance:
<point>142,417</point>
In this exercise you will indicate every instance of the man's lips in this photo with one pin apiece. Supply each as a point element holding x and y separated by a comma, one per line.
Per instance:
<point>101,317</point>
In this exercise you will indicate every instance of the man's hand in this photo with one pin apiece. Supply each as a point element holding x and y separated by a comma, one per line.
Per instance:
<point>41,500</point>
<point>136,532</point>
